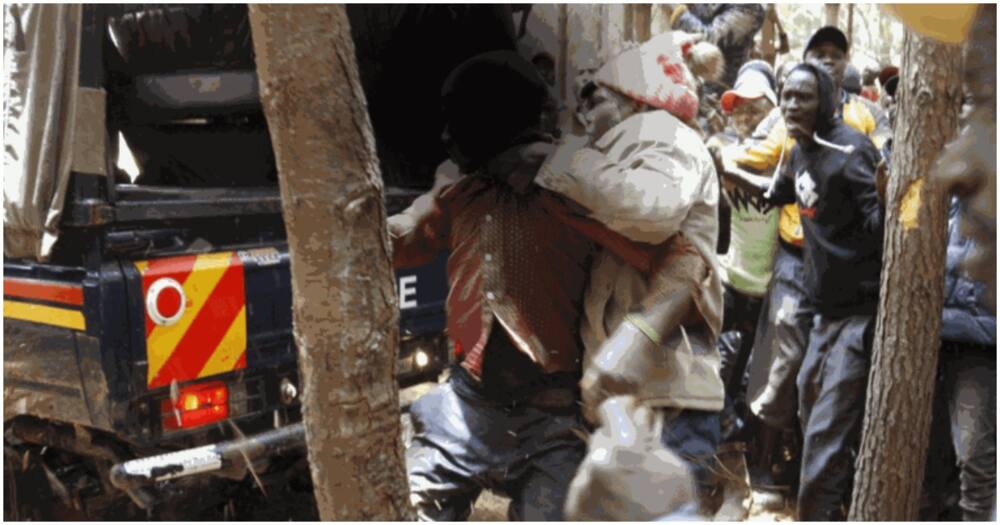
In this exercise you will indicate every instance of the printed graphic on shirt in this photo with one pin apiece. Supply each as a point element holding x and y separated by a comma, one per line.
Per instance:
<point>744,201</point>
<point>805,190</point>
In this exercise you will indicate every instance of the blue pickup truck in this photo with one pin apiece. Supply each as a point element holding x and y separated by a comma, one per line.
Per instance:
<point>149,359</point>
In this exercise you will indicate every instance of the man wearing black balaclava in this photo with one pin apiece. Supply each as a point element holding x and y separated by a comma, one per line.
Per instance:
<point>508,419</point>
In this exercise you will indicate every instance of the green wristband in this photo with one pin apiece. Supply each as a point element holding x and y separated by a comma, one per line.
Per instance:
<point>645,328</point>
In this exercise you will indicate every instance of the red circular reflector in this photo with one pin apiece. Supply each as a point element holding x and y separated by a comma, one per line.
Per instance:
<point>165,301</point>
<point>168,302</point>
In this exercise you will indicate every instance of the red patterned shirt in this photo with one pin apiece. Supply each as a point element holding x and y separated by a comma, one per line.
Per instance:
<point>520,258</point>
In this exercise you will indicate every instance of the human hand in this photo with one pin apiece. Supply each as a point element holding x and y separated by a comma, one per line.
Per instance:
<point>622,364</point>
<point>627,473</point>
<point>560,159</point>
<point>881,179</point>
<point>399,225</point>
<point>519,164</point>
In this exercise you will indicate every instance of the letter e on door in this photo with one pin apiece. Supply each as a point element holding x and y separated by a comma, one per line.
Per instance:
<point>408,292</point>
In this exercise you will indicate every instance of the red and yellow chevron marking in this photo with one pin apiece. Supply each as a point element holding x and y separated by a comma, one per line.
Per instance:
<point>211,337</point>
<point>46,302</point>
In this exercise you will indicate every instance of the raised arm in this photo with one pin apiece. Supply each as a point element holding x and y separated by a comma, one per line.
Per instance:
<point>420,232</point>
<point>735,23</point>
<point>644,195</point>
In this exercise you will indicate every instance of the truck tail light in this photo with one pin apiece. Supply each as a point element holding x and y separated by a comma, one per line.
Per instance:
<point>196,405</point>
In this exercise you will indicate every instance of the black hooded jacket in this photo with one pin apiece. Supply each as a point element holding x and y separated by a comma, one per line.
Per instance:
<point>842,219</point>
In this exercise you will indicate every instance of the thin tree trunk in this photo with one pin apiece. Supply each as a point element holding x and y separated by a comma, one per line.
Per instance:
<point>628,19</point>
<point>767,50</point>
<point>890,464</point>
<point>830,13</point>
<point>850,25</point>
<point>660,18</point>
<point>345,312</point>
<point>885,38</point>
<point>642,19</point>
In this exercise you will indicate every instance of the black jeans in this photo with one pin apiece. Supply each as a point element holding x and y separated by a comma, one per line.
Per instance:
<point>694,436</point>
<point>780,343</point>
<point>965,411</point>
<point>832,385</point>
<point>465,442</point>
<point>739,324</point>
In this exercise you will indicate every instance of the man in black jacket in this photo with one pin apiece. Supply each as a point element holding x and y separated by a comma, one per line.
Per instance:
<point>832,177</point>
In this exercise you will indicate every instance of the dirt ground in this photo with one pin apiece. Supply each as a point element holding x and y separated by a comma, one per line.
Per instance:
<point>493,507</point>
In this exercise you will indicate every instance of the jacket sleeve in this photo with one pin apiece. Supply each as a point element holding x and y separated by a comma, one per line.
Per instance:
<point>733,24</point>
<point>645,196</point>
<point>421,231</point>
<point>764,154</point>
<point>783,191</point>
<point>859,172</point>
<point>881,130</point>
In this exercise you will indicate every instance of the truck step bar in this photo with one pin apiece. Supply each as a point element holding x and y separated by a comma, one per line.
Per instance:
<point>136,473</point>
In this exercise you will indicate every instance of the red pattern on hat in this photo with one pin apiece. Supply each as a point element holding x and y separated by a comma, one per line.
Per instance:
<point>655,74</point>
<point>672,71</point>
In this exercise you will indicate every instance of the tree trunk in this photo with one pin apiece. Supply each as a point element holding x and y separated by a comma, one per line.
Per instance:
<point>345,311</point>
<point>643,20</point>
<point>890,464</point>
<point>850,26</point>
<point>885,39</point>
<point>830,13</point>
<point>628,19</point>
<point>638,22</point>
<point>660,18</point>
<point>767,50</point>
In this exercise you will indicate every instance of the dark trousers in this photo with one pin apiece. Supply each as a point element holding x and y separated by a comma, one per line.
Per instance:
<point>832,385</point>
<point>739,323</point>
<point>965,412</point>
<point>780,343</point>
<point>465,442</point>
<point>694,435</point>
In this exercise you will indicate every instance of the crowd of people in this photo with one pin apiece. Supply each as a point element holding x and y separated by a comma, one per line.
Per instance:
<point>710,294</point>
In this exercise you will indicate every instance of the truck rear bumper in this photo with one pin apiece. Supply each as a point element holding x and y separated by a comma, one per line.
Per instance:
<point>238,453</point>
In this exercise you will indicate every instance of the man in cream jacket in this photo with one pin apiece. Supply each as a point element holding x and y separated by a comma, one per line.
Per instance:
<point>645,172</point>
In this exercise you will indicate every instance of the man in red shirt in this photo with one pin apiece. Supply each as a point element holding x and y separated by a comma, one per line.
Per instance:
<point>508,419</point>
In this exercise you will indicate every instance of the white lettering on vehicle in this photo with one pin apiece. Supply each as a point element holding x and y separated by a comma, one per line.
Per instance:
<point>408,292</point>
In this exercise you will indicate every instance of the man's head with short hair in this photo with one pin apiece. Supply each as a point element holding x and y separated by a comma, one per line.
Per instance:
<point>829,48</point>
<point>869,76</point>
<point>852,80</point>
<point>808,102</point>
